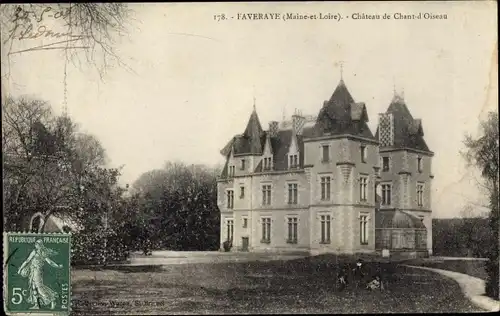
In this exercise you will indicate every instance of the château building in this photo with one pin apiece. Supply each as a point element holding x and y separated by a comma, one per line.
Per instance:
<point>328,184</point>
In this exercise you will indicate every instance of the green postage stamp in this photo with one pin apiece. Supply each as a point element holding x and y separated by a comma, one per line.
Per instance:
<point>37,274</point>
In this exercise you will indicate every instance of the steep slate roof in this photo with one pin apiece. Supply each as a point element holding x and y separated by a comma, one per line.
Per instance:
<point>341,115</point>
<point>250,142</point>
<point>397,219</point>
<point>408,132</point>
<point>252,138</point>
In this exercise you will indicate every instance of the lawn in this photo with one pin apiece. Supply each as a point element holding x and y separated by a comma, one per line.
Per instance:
<point>296,286</point>
<point>475,268</point>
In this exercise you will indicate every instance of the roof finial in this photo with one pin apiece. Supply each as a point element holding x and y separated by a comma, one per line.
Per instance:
<point>394,86</point>
<point>341,70</point>
<point>254,98</point>
<point>398,96</point>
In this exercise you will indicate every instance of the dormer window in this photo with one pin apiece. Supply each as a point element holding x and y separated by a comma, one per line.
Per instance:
<point>243,164</point>
<point>294,161</point>
<point>419,164</point>
<point>363,153</point>
<point>267,163</point>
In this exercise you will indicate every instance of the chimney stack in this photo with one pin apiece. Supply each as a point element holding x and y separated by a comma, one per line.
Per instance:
<point>298,122</point>
<point>273,128</point>
<point>386,129</point>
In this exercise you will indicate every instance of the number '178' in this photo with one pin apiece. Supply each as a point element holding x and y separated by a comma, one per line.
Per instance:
<point>220,17</point>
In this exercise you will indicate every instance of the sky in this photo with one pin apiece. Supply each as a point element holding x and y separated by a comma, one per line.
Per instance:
<point>192,80</point>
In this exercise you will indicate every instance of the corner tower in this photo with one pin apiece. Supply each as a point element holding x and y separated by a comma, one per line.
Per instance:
<point>405,165</point>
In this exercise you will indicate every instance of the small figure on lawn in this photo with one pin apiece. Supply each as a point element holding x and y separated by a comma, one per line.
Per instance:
<point>358,272</point>
<point>375,284</point>
<point>342,278</point>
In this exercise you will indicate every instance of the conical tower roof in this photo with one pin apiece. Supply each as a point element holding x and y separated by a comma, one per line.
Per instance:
<point>408,132</point>
<point>253,132</point>
<point>342,115</point>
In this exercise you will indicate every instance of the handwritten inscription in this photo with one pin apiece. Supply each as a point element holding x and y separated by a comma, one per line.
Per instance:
<point>32,25</point>
<point>27,32</point>
<point>24,15</point>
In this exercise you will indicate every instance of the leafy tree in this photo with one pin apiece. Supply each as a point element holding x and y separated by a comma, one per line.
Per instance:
<point>482,153</point>
<point>53,169</point>
<point>49,167</point>
<point>179,206</point>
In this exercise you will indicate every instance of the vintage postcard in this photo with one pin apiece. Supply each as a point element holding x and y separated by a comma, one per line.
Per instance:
<point>250,157</point>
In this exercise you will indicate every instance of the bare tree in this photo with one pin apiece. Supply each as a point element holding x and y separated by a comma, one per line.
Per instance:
<point>91,27</point>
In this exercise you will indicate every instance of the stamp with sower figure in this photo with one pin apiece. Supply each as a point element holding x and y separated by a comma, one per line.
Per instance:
<point>37,273</point>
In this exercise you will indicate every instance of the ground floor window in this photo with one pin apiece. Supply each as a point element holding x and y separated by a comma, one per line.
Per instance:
<point>266,229</point>
<point>400,238</point>
<point>363,229</point>
<point>230,230</point>
<point>409,239</point>
<point>421,239</point>
<point>292,230</point>
<point>325,221</point>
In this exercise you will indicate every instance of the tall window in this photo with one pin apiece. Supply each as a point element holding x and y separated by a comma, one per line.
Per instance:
<point>419,164</point>
<point>242,164</point>
<point>385,163</point>
<point>267,163</point>
<point>386,194</point>
<point>230,229</point>
<point>231,171</point>
<point>266,229</point>
<point>363,229</point>
<point>420,194</point>
<point>292,230</point>
<point>266,194</point>
<point>363,153</point>
<point>294,161</point>
<point>242,192</point>
<point>292,193</point>
<point>325,221</point>
<point>326,153</point>
<point>325,188</point>
<point>363,184</point>
<point>230,199</point>
<point>245,222</point>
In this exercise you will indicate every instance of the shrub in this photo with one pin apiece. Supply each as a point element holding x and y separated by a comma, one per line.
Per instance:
<point>98,247</point>
<point>227,245</point>
<point>492,266</point>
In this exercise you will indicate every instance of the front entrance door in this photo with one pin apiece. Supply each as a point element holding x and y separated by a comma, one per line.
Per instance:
<point>244,243</point>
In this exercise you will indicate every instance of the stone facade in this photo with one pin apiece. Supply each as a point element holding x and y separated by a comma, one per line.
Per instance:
<point>315,185</point>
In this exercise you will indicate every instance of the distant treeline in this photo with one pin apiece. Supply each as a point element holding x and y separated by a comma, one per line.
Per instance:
<point>461,237</point>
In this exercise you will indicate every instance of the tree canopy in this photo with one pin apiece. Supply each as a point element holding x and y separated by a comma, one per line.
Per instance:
<point>178,207</point>
<point>49,166</point>
<point>483,153</point>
